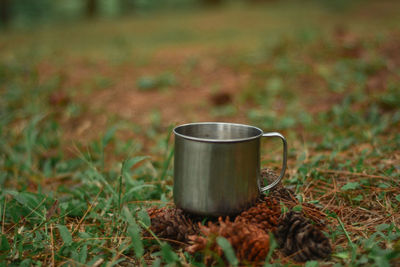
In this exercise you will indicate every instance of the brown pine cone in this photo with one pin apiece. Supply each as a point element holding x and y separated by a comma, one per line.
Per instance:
<point>279,191</point>
<point>171,223</point>
<point>302,240</point>
<point>288,198</point>
<point>264,215</point>
<point>249,242</point>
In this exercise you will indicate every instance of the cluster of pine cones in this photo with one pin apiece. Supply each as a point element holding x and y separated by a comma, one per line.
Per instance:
<point>248,233</point>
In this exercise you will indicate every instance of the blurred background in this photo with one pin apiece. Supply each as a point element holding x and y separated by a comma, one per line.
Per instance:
<point>77,69</point>
<point>25,12</point>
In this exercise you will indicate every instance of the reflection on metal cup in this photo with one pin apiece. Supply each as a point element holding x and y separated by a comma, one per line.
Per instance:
<point>217,167</point>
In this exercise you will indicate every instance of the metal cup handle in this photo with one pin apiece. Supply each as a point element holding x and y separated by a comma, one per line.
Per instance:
<point>284,163</point>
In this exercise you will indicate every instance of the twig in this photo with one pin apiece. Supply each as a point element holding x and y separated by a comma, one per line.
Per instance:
<point>87,211</point>
<point>150,202</point>
<point>58,178</point>
<point>117,255</point>
<point>52,246</point>
<point>125,237</point>
<point>167,239</point>
<point>4,215</point>
<point>112,250</point>
<point>24,218</point>
<point>98,262</point>
<point>69,260</point>
<point>355,174</point>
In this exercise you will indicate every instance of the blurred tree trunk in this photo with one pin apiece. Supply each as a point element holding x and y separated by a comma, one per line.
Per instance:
<point>5,12</point>
<point>91,8</point>
<point>212,2</point>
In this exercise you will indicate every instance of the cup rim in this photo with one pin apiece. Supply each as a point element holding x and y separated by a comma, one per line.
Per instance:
<point>211,140</point>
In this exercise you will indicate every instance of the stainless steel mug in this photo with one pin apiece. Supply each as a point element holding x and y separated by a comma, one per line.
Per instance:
<point>217,167</point>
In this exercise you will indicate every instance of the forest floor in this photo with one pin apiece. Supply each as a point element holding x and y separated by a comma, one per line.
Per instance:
<point>79,102</point>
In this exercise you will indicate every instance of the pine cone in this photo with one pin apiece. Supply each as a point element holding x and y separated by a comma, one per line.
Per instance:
<point>279,191</point>
<point>171,223</point>
<point>301,240</point>
<point>249,242</point>
<point>264,215</point>
<point>288,198</point>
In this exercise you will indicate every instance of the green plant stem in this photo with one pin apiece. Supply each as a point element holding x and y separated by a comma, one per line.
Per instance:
<point>344,230</point>
<point>151,232</point>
